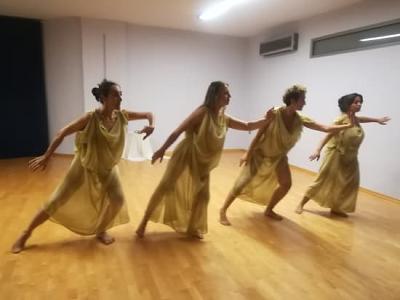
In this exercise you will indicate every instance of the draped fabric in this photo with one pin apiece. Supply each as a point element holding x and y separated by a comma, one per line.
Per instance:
<point>338,179</point>
<point>90,198</point>
<point>181,198</point>
<point>257,180</point>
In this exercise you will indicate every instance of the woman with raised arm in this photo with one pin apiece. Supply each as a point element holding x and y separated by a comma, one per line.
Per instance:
<point>266,177</point>
<point>90,199</point>
<point>181,198</point>
<point>338,180</point>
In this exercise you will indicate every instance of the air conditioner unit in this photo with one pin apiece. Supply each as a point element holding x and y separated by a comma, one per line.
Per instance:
<point>286,44</point>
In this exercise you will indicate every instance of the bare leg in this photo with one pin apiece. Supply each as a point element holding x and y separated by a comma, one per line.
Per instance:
<point>303,202</point>
<point>223,219</point>
<point>116,202</point>
<point>154,201</point>
<point>105,238</point>
<point>142,226</point>
<point>196,233</point>
<point>163,187</point>
<point>285,182</point>
<point>198,218</point>
<point>239,185</point>
<point>37,220</point>
<point>75,178</point>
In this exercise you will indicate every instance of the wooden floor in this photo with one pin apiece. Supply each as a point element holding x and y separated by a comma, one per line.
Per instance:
<point>308,256</point>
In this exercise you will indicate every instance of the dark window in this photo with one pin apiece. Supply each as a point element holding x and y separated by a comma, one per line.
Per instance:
<point>378,35</point>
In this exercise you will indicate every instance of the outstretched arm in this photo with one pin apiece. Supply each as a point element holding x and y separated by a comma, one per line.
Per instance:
<point>131,115</point>
<point>317,153</point>
<point>331,128</point>
<point>41,161</point>
<point>192,121</point>
<point>381,121</point>
<point>248,126</point>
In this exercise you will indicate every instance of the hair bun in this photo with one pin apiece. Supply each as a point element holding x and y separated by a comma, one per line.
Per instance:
<point>96,93</point>
<point>102,89</point>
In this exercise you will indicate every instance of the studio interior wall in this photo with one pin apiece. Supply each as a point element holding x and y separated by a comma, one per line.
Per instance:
<point>168,71</point>
<point>373,73</point>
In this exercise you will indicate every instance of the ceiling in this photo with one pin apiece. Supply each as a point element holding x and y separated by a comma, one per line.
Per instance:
<point>246,19</point>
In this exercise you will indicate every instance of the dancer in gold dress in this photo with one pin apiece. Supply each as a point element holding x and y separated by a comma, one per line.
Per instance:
<point>181,198</point>
<point>90,199</point>
<point>266,177</point>
<point>338,179</point>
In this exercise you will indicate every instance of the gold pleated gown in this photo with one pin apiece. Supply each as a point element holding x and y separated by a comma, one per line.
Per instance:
<point>338,179</point>
<point>257,180</point>
<point>90,198</point>
<point>181,198</point>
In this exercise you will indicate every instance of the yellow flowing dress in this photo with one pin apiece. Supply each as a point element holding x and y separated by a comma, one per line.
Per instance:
<point>257,180</point>
<point>181,198</point>
<point>338,179</point>
<point>90,199</point>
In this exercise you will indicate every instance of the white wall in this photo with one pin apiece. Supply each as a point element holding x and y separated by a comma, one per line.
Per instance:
<point>373,73</point>
<point>163,71</point>
<point>170,70</point>
<point>104,55</point>
<point>63,75</point>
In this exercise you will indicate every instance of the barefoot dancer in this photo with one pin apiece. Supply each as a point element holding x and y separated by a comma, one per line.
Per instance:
<point>90,199</point>
<point>181,198</point>
<point>266,177</point>
<point>338,179</point>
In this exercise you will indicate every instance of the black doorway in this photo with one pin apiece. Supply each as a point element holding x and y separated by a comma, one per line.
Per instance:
<point>24,114</point>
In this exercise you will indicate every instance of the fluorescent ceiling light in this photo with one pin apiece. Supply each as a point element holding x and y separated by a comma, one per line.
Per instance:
<point>380,37</point>
<point>219,9</point>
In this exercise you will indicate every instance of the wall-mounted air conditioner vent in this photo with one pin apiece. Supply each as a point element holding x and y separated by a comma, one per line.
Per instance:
<point>286,44</point>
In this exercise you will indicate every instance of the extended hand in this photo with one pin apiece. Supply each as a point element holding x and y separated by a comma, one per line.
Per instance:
<point>38,162</point>
<point>315,156</point>
<point>159,154</point>
<point>148,130</point>
<point>383,120</point>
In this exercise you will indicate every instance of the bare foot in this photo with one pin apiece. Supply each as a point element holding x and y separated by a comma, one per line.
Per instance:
<point>19,244</point>
<point>197,235</point>
<point>299,209</point>
<point>140,231</point>
<point>105,238</point>
<point>339,213</point>
<point>271,214</point>
<point>223,219</point>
